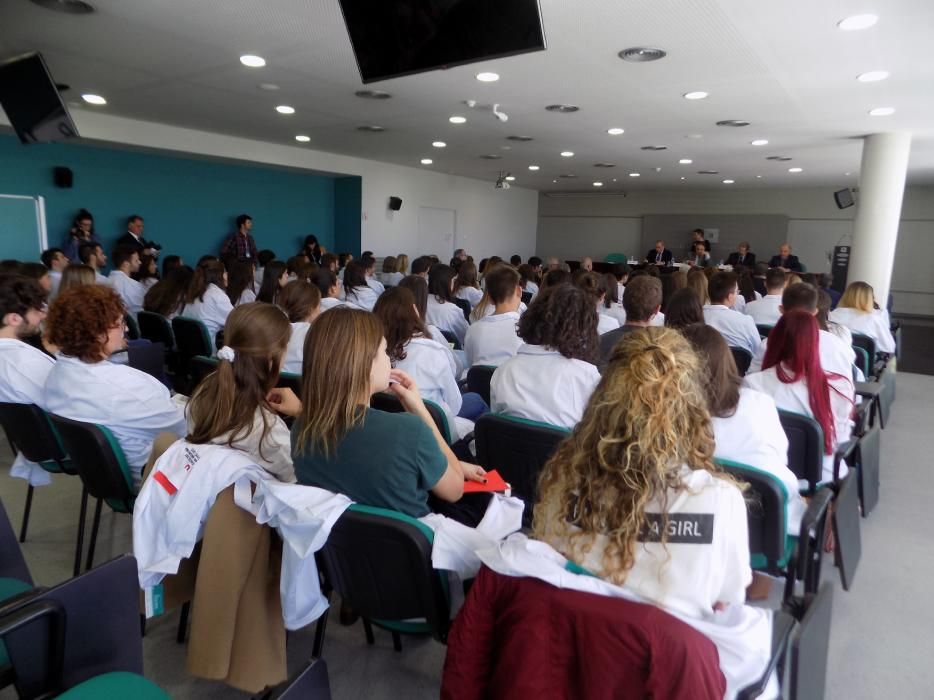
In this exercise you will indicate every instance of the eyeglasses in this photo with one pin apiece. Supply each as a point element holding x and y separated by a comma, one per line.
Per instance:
<point>121,324</point>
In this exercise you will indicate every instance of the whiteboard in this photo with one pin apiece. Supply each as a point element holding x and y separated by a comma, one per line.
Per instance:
<point>22,227</point>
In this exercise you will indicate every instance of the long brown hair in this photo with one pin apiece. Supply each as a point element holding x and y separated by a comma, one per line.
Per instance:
<point>207,273</point>
<point>167,296</point>
<point>720,375</point>
<point>396,309</point>
<point>76,275</point>
<point>225,401</point>
<point>645,420</point>
<point>326,416</point>
<point>299,299</point>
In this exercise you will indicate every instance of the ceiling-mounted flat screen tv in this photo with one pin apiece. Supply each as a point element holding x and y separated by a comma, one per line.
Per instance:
<point>399,37</point>
<point>31,101</point>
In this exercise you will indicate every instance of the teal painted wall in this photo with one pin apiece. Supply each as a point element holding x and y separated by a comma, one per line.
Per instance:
<point>188,205</point>
<point>347,211</point>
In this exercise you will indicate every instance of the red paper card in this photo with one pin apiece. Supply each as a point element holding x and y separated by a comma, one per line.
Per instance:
<point>494,484</point>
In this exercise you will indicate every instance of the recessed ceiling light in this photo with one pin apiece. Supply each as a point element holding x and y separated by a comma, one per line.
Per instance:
<point>427,161</point>
<point>851,24</point>
<point>760,142</point>
<point>598,184</point>
<point>615,131</point>
<point>251,61</point>
<point>634,174</point>
<point>371,128</point>
<point>523,139</point>
<point>268,86</point>
<point>533,167</point>
<point>285,109</point>
<point>847,174</point>
<point>654,148</point>
<point>457,119</point>
<point>641,54</point>
<point>614,179</point>
<point>563,109</point>
<point>696,95</point>
<point>728,182</point>
<point>872,76</point>
<point>93,99</point>
<point>683,177</point>
<point>302,138</point>
<point>511,178</point>
<point>487,77</point>
<point>685,161</point>
<point>567,154</point>
<point>758,177</point>
<point>373,94</point>
<point>732,122</point>
<point>438,144</point>
<point>795,170</point>
<point>881,111</point>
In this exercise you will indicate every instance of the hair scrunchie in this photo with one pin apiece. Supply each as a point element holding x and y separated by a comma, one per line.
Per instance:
<point>226,353</point>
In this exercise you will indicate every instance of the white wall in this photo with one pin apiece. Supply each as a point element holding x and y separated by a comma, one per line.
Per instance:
<point>489,222</point>
<point>570,227</point>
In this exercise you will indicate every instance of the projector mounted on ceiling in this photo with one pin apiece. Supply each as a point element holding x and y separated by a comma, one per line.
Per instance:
<point>501,183</point>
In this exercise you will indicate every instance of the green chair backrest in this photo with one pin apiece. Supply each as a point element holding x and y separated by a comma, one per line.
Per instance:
<point>616,258</point>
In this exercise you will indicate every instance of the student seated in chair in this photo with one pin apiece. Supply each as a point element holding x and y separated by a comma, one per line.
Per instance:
<point>301,302</point>
<point>467,285</point>
<point>126,262</point>
<point>739,330</point>
<point>765,311</point>
<point>167,296</point>
<point>594,286</point>
<point>492,339</point>
<point>643,302</point>
<point>86,324</point>
<point>442,311</point>
<point>424,359</point>
<point>746,426</point>
<point>553,374</point>
<point>858,311</point>
<point>230,406</point>
<point>339,443</point>
<point>207,299</point>
<point>357,291</point>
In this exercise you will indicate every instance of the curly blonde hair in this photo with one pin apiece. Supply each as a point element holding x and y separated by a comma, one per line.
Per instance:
<point>647,418</point>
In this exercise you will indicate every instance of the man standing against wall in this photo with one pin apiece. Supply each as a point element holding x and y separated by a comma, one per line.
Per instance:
<point>240,245</point>
<point>133,238</point>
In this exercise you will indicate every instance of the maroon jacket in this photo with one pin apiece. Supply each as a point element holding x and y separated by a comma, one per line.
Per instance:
<point>523,639</point>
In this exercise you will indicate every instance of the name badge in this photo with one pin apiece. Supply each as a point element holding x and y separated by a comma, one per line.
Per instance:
<point>683,528</point>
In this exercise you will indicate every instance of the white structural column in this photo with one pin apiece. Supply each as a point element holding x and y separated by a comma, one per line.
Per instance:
<point>875,231</point>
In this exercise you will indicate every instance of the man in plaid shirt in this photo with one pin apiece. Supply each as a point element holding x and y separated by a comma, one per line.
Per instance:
<point>240,245</point>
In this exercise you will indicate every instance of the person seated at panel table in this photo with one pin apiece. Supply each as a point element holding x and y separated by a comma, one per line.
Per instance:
<point>698,236</point>
<point>742,256</point>
<point>659,255</point>
<point>587,264</point>
<point>785,259</point>
<point>699,256</point>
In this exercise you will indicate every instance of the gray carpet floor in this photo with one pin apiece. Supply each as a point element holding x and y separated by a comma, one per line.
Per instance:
<point>882,641</point>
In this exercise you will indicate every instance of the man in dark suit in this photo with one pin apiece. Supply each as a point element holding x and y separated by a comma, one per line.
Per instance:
<point>133,238</point>
<point>658,255</point>
<point>697,236</point>
<point>742,256</point>
<point>785,259</point>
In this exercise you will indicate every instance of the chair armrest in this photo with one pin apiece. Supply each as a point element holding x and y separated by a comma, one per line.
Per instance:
<point>868,390</point>
<point>30,613</point>
<point>843,452</point>
<point>782,626</point>
<point>14,603</point>
<point>816,511</point>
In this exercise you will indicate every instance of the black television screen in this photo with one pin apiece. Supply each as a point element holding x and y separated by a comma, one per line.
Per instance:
<point>400,37</point>
<point>844,198</point>
<point>31,101</point>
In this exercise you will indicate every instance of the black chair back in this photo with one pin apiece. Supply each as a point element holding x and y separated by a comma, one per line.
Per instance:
<point>291,381</point>
<point>148,358</point>
<point>12,563</point>
<point>102,634</point>
<point>526,298</point>
<point>99,460</point>
<point>310,684</point>
<point>465,307</point>
<point>848,545</point>
<point>861,340</point>
<point>478,380</point>
<point>384,401</point>
<point>156,328</point>
<point>132,327</point>
<point>764,329</point>
<point>765,514</point>
<point>517,449</point>
<point>805,446</point>
<point>743,359</point>
<point>809,648</point>
<point>200,367</point>
<point>29,430</point>
<point>191,339</point>
<point>452,339</point>
<point>868,459</point>
<point>379,561</point>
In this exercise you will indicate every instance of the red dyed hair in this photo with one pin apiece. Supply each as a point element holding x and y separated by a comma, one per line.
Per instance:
<point>793,350</point>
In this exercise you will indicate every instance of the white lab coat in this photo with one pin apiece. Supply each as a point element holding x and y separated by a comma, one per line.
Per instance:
<point>606,322</point>
<point>247,296</point>
<point>754,435</point>
<point>212,309</point>
<point>615,311</point>
<point>765,310</point>
<point>375,285</point>
<point>492,340</point>
<point>55,278</point>
<point>447,317</point>
<point>130,291</point>
<point>391,279</point>
<point>361,297</point>
<point>456,358</point>
<point>330,303</point>
<point>794,397</point>
<point>23,373</point>
<point>429,365</point>
<point>133,405</point>
<point>173,506</point>
<point>835,356</point>
<point>737,329</point>
<point>275,453</point>
<point>101,279</point>
<point>542,385</point>
<point>490,309</point>
<point>875,324</point>
<point>741,633</point>
<point>470,294</point>
<point>295,352</point>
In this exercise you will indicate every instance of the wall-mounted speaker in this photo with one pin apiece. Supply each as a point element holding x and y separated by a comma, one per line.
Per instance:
<point>63,177</point>
<point>395,203</point>
<point>843,198</point>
